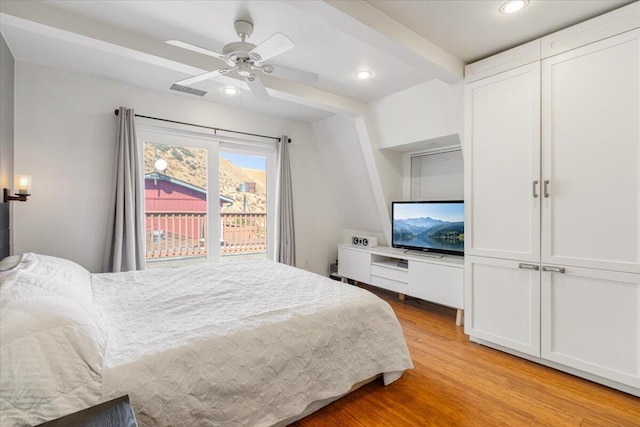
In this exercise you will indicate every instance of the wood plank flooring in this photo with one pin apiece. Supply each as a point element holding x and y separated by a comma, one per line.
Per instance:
<point>458,383</point>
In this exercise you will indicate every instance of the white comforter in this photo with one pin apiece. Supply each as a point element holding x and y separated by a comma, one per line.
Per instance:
<point>240,343</point>
<point>247,343</point>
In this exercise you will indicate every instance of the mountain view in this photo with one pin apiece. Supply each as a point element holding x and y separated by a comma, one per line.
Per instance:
<point>418,224</point>
<point>189,165</point>
<point>429,232</point>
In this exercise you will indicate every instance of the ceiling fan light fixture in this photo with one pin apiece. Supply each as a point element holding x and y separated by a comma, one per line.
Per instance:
<point>363,74</point>
<point>513,6</point>
<point>230,90</point>
<point>245,58</point>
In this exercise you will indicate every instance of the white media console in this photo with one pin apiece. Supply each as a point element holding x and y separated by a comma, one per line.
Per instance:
<point>434,278</point>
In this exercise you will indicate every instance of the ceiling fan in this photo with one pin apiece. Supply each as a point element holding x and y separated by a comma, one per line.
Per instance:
<point>246,58</point>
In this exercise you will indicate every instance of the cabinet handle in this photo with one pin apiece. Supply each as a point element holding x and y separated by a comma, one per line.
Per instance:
<point>535,186</point>
<point>528,266</point>
<point>553,269</point>
<point>546,188</point>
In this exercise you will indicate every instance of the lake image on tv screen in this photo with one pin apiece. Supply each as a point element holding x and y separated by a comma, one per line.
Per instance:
<point>431,226</point>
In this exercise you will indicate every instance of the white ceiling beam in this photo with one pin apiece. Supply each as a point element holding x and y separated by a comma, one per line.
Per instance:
<point>313,97</point>
<point>360,20</point>
<point>57,23</point>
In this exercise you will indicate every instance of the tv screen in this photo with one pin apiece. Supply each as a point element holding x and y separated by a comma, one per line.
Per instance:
<point>429,226</point>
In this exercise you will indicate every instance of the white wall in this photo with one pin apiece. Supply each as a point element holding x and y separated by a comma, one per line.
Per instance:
<point>6,116</point>
<point>409,119</point>
<point>65,133</point>
<point>424,118</point>
<point>364,179</point>
<point>367,157</point>
<point>340,150</point>
<point>388,170</point>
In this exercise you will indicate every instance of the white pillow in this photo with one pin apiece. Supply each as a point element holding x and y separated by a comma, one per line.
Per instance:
<point>51,358</point>
<point>52,275</point>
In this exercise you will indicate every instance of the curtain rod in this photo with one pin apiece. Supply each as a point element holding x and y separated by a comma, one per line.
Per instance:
<point>207,127</point>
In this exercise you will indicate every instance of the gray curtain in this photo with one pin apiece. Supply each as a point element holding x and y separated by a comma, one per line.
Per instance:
<point>286,240</point>
<point>125,236</point>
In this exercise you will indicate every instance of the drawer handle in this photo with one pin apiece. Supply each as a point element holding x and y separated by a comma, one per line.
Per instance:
<point>553,269</point>
<point>528,266</point>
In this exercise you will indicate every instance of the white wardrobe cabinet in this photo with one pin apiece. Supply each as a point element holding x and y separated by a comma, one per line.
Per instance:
<point>552,195</point>
<point>503,302</point>
<point>502,165</point>
<point>591,321</point>
<point>591,153</point>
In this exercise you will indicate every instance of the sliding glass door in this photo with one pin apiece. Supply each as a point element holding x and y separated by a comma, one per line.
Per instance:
<point>175,194</point>
<point>206,199</point>
<point>243,186</point>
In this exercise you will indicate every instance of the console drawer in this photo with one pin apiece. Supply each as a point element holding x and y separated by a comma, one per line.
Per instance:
<point>390,272</point>
<point>392,285</point>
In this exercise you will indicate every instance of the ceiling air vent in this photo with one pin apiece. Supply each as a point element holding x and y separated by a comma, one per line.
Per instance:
<point>187,89</point>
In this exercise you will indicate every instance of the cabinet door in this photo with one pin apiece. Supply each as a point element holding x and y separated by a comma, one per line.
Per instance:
<point>591,322</point>
<point>618,21</point>
<point>441,284</point>
<point>354,264</point>
<point>591,155</point>
<point>502,303</point>
<point>502,165</point>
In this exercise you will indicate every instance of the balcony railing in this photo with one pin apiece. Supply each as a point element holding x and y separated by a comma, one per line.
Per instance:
<point>180,234</point>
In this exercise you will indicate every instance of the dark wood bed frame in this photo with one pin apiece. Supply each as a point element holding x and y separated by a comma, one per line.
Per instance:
<point>5,247</point>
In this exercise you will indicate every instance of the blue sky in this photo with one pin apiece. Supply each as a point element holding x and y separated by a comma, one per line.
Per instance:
<point>452,212</point>
<point>246,161</point>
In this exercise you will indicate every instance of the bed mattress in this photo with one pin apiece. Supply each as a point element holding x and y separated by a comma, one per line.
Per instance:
<point>245,343</point>
<point>240,343</point>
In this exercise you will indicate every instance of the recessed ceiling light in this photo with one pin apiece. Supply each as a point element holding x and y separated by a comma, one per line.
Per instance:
<point>513,6</point>
<point>230,90</point>
<point>363,74</point>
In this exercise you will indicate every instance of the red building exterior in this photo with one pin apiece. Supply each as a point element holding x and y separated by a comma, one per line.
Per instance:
<point>166,194</point>
<point>176,207</point>
<point>163,193</point>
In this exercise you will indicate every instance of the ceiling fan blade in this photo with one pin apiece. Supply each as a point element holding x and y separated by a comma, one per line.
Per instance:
<point>204,76</point>
<point>201,50</point>
<point>290,73</point>
<point>274,45</point>
<point>257,88</point>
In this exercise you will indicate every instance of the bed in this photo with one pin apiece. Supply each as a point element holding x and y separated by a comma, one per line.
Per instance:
<point>239,343</point>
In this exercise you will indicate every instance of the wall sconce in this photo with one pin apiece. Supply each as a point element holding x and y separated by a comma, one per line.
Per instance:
<point>22,184</point>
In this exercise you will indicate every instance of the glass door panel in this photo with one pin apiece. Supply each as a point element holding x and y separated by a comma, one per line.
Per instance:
<point>243,205</point>
<point>175,182</point>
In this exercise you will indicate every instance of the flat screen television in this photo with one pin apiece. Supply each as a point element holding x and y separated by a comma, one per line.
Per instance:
<point>429,226</point>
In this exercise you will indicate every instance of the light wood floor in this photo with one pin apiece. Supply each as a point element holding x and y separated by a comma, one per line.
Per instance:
<point>458,383</point>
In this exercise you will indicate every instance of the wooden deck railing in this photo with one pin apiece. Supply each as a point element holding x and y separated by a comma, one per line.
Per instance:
<point>243,233</point>
<point>179,234</point>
